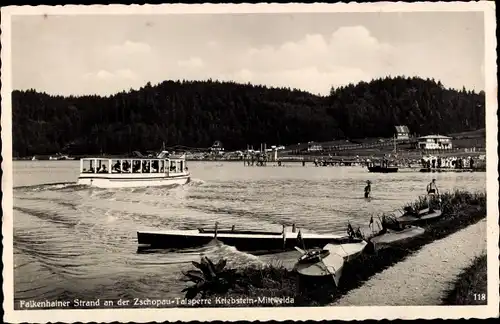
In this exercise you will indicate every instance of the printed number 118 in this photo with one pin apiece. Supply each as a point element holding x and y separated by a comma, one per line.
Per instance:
<point>479,296</point>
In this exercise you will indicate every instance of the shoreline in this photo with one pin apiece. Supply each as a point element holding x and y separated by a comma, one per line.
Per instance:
<point>461,210</point>
<point>425,276</point>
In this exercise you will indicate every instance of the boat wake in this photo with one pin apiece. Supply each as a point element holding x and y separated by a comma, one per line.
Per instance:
<point>58,186</point>
<point>215,250</point>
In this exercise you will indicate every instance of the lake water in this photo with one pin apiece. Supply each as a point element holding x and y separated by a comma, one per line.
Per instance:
<point>76,242</point>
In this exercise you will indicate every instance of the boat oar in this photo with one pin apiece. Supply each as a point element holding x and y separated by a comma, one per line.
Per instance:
<point>284,237</point>
<point>300,250</point>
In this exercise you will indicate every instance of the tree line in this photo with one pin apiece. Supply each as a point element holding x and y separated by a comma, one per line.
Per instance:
<point>197,113</point>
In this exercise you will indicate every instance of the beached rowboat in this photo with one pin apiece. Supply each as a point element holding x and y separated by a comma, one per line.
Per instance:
<point>329,261</point>
<point>423,215</point>
<point>390,236</point>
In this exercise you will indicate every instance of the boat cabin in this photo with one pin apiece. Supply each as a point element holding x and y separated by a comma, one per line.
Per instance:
<point>133,165</point>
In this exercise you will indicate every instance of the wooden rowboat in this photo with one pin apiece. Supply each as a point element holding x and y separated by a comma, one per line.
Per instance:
<point>255,242</point>
<point>423,215</point>
<point>390,236</point>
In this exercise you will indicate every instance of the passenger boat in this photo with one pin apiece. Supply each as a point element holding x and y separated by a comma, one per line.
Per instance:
<point>329,261</point>
<point>133,172</point>
<point>255,242</point>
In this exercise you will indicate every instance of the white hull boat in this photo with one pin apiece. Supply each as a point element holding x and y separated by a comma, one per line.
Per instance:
<point>133,172</point>
<point>330,261</point>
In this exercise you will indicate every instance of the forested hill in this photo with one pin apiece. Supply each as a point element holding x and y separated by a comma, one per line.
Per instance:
<point>195,114</point>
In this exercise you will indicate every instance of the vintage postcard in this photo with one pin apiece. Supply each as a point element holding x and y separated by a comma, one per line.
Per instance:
<point>249,162</point>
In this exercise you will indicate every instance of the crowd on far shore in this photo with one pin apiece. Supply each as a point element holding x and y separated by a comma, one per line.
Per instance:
<point>449,162</point>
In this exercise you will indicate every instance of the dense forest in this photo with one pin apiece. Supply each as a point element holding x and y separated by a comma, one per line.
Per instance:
<point>197,113</point>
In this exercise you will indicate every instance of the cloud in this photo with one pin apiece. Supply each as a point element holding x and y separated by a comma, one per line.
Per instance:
<point>193,62</point>
<point>129,47</point>
<point>104,82</point>
<point>315,62</point>
<point>308,78</point>
<point>106,75</point>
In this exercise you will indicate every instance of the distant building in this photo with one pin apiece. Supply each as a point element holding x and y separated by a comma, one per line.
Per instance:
<point>312,147</point>
<point>434,142</point>
<point>217,147</point>
<point>402,132</point>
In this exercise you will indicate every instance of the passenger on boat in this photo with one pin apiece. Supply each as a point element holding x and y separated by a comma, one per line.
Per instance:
<point>103,169</point>
<point>155,166</point>
<point>126,167</point>
<point>116,167</point>
<point>368,189</point>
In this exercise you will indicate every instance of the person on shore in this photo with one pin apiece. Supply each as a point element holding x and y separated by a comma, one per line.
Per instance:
<point>368,189</point>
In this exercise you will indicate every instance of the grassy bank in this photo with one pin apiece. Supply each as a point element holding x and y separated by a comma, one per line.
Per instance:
<point>460,209</point>
<point>471,286</point>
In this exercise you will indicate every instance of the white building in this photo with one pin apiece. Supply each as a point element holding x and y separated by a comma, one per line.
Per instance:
<point>312,147</point>
<point>402,132</point>
<point>434,142</point>
<point>217,148</point>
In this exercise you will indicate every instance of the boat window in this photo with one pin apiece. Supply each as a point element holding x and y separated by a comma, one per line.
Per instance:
<point>126,166</point>
<point>162,166</point>
<point>136,166</point>
<point>116,166</point>
<point>155,166</point>
<point>103,166</point>
<point>88,166</point>
<point>181,168</point>
<point>145,167</point>
<point>172,166</point>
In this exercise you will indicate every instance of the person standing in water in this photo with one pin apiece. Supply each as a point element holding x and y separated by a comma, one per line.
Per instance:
<point>368,189</point>
<point>432,188</point>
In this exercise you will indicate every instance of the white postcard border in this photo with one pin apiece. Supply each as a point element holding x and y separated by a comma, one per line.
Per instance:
<point>274,313</point>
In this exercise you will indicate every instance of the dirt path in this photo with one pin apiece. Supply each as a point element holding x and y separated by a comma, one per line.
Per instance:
<point>423,278</point>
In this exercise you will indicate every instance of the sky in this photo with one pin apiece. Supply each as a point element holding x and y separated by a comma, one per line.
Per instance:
<point>105,54</point>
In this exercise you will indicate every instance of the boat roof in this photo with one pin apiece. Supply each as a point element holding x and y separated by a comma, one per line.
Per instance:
<point>135,158</point>
<point>433,136</point>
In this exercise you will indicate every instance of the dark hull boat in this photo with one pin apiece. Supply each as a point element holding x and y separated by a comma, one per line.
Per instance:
<point>381,169</point>
<point>256,242</point>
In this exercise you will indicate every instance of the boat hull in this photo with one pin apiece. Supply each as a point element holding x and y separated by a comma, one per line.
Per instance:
<point>379,169</point>
<point>333,264</point>
<point>131,180</point>
<point>410,219</point>
<point>330,266</point>
<point>395,237</point>
<point>253,243</point>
